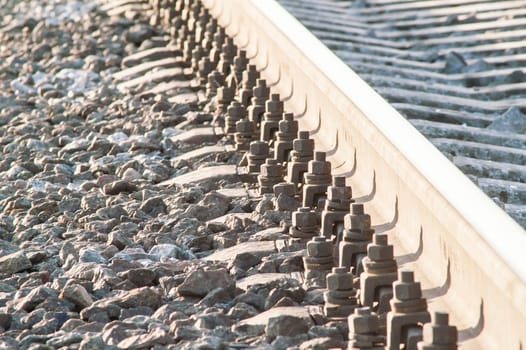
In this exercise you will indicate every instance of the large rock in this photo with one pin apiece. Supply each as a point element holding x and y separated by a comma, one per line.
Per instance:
<point>35,297</point>
<point>285,325</point>
<point>77,294</point>
<point>14,262</point>
<point>149,340</point>
<point>200,282</point>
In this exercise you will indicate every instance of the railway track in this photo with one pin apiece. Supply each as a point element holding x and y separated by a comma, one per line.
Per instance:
<point>411,191</point>
<point>454,70</point>
<point>363,157</point>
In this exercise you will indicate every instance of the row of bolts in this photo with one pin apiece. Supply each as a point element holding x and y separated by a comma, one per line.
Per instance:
<point>384,306</point>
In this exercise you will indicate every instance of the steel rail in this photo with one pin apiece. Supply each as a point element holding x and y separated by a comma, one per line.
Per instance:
<point>466,251</point>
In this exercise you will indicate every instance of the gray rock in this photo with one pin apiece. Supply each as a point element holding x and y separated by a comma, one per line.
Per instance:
<point>63,340</point>
<point>127,314</point>
<point>77,294</point>
<point>244,261</point>
<point>154,206</point>
<point>145,296</point>
<point>131,174</point>
<point>285,325</point>
<point>116,331</point>
<point>141,277</point>
<point>5,321</point>
<point>256,300</point>
<point>35,297</point>
<point>218,295</point>
<point>184,332</point>
<point>288,342</point>
<point>212,320</point>
<point>200,282</point>
<point>240,311</point>
<point>321,344</point>
<point>111,212</point>
<point>94,343</point>
<point>7,342</point>
<point>118,239</point>
<point>512,121</point>
<point>171,251</point>
<point>208,343</point>
<point>157,336</point>
<point>325,332</point>
<point>138,33</point>
<point>119,186</point>
<point>14,262</point>
<point>88,255</point>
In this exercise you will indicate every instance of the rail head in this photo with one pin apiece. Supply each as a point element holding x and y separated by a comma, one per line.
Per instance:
<point>422,198</point>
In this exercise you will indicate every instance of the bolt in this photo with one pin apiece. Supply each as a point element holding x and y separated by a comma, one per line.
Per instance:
<point>236,111</point>
<point>260,92</point>
<point>271,168</point>
<point>259,148</point>
<point>340,279</point>
<point>438,334</point>
<point>287,126</point>
<point>284,188</point>
<point>273,107</point>
<point>358,221</point>
<point>319,247</point>
<point>362,322</point>
<point>303,144</point>
<point>304,217</point>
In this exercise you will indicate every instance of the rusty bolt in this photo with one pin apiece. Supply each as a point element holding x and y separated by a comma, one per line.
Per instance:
<point>340,279</point>
<point>304,217</point>
<point>406,288</point>
<point>363,321</point>
<point>319,247</point>
<point>439,333</point>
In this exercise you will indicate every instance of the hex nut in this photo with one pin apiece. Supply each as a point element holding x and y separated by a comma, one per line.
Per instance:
<point>407,291</point>
<point>363,324</point>
<point>319,248</point>
<point>339,193</point>
<point>271,170</point>
<point>259,148</point>
<point>319,168</point>
<point>440,334</point>
<point>284,188</point>
<point>340,281</point>
<point>303,146</point>
<point>378,252</point>
<point>304,219</point>
<point>357,222</point>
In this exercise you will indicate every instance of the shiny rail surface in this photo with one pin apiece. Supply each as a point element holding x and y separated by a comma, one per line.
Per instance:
<point>466,250</point>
